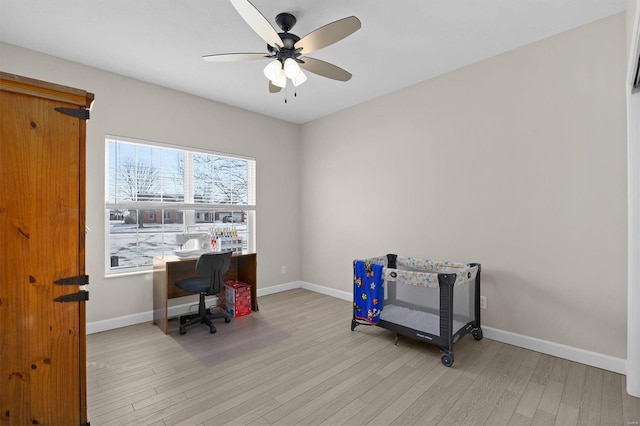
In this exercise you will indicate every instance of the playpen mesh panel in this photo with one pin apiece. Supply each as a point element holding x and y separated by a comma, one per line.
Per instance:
<point>412,296</point>
<point>423,298</point>
<point>464,297</point>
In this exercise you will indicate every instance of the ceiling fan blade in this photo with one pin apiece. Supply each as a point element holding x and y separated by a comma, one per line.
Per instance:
<point>325,69</point>
<point>257,22</point>
<point>273,88</point>
<point>328,34</point>
<point>234,57</point>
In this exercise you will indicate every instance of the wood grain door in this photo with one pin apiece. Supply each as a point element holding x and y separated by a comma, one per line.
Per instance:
<point>42,353</point>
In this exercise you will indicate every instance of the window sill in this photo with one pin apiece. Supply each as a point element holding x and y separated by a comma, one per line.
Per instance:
<point>108,276</point>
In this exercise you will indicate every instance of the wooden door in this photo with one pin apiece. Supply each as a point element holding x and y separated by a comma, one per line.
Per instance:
<point>42,169</point>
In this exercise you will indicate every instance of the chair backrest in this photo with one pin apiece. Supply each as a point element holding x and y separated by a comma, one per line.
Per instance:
<point>214,265</point>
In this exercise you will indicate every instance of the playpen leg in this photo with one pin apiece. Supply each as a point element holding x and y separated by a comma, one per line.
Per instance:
<point>477,333</point>
<point>447,358</point>
<point>396,341</point>
<point>354,324</point>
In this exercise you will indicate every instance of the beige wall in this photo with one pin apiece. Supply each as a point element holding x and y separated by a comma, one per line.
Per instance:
<point>517,162</point>
<point>632,7</point>
<point>131,108</point>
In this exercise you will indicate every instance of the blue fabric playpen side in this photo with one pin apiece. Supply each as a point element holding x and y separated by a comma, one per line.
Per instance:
<point>415,298</point>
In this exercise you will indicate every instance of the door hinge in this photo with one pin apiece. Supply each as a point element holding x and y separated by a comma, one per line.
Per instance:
<point>81,296</point>
<point>78,279</point>
<point>81,113</point>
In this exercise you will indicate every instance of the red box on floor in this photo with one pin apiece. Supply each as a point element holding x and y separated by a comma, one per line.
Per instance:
<point>237,298</point>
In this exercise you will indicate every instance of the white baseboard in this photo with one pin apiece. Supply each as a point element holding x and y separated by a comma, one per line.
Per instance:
<point>339,294</point>
<point>308,286</point>
<point>142,317</point>
<point>118,322</point>
<point>594,359</point>
<point>278,288</point>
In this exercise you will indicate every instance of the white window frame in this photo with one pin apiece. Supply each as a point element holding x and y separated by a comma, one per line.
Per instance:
<point>188,205</point>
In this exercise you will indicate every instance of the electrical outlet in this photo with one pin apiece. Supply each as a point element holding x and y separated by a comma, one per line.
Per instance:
<point>483,302</point>
<point>284,270</point>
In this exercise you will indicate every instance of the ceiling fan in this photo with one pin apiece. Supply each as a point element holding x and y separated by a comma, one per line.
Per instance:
<point>287,49</point>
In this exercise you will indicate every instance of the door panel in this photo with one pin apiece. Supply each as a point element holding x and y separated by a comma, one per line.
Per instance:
<point>40,212</point>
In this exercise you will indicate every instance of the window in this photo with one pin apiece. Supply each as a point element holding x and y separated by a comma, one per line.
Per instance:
<point>155,192</point>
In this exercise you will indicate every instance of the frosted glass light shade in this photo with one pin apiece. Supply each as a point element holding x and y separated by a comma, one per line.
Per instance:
<point>280,80</point>
<point>273,69</point>
<point>299,79</point>
<point>291,68</point>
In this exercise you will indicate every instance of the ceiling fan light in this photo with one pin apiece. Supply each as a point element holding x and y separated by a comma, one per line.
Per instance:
<point>273,70</point>
<point>299,79</point>
<point>291,68</point>
<point>280,81</point>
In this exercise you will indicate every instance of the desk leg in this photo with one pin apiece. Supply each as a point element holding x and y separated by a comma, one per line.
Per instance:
<point>254,297</point>
<point>160,295</point>
<point>246,271</point>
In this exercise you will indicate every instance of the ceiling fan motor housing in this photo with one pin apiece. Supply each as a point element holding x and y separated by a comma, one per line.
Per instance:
<point>288,49</point>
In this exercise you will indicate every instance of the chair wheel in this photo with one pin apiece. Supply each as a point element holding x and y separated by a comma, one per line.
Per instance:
<point>227,320</point>
<point>447,360</point>
<point>212,330</point>
<point>183,330</point>
<point>477,334</point>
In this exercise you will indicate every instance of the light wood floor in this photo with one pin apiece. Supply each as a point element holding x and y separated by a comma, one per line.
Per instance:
<point>323,373</point>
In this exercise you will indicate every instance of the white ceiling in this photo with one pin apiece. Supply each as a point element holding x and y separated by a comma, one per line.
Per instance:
<point>400,43</point>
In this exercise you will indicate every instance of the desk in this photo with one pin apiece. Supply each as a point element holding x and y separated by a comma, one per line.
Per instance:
<point>169,269</point>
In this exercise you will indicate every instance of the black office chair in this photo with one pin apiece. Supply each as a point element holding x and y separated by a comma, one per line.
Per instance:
<point>209,269</point>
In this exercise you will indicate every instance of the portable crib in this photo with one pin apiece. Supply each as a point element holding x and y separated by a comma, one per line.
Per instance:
<point>415,298</point>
